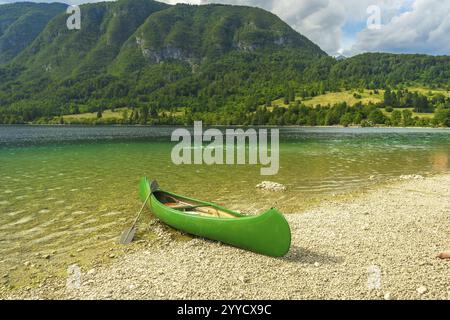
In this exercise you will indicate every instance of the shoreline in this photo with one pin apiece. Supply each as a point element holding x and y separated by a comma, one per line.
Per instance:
<point>220,126</point>
<point>380,244</point>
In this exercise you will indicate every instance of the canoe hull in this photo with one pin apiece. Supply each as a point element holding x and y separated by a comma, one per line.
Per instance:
<point>267,234</point>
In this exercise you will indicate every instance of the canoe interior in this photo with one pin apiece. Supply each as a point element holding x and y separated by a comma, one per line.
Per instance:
<point>191,207</point>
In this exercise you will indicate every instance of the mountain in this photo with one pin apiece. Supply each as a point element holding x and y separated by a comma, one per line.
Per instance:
<point>214,61</point>
<point>105,26</point>
<point>384,69</point>
<point>128,35</point>
<point>134,52</point>
<point>340,57</point>
<point>196,33</point>
<point>21,23</point>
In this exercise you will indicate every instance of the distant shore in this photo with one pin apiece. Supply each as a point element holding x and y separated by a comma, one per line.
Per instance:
<point>220,126</point>
<point>380,244</point>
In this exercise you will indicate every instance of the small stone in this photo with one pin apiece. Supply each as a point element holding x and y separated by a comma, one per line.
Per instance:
<point>26,263</point>
<point>112,255</point>
<point>422,290</point>
<point>243,279</point>
<point>91,272</point>
<point>6,275</point>
<point>316,264</point>
<point>388,296</point>
<point>47,256</point>
<point>365,228</point>
<point>271,186</point>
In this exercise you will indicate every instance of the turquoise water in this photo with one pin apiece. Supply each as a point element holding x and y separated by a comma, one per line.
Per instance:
<point>66,188</point>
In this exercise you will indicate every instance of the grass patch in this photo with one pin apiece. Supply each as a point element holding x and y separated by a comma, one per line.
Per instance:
<point>107,114</point>
<point>347,96</point>
<point>332,98</point>
<point>426,91</point>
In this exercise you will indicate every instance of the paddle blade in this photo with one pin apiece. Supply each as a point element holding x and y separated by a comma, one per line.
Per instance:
<point>127,236</point>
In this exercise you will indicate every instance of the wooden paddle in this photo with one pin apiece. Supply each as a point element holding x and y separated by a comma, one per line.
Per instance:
<point>128,235</point>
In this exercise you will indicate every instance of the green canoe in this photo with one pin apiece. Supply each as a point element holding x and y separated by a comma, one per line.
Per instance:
<point>268,233</point>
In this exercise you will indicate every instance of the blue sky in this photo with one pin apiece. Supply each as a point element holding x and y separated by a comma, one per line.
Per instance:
<point>341,26</point>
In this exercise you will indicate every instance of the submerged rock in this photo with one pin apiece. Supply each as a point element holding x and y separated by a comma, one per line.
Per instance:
<point>271,186</point>
<point>411,177</point>
<point>422,290</point>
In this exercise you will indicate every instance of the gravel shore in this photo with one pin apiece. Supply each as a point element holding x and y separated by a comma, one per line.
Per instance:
<point>381,244</point>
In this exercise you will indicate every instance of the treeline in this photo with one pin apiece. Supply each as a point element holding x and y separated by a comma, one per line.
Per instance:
<point>381,70</point>
<point>296,113</point>
<point>237,82</point>
<point>345,115</point>
<point>419,102</point>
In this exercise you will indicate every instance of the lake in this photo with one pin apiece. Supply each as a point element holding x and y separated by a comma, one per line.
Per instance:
<point>70,191</point>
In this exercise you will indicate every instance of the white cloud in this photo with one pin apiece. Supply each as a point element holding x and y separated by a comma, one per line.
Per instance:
<point>424,29</point>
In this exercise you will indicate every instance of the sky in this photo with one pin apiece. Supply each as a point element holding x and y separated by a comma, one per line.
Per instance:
<point>350,27</point>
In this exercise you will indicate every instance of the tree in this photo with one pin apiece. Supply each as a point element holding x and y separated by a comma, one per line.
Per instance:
<point>125,115</point>
<point>376,116</point>
<point>388,99</point>
<point>135,116</point>
<point>407,118</point>
<point>442,116</point>
<point>143,115</point>
<point>396,118</point>
<point>291,94</point>
<point>99,113</point>
<point>346,119</point>
<point>286,99</point>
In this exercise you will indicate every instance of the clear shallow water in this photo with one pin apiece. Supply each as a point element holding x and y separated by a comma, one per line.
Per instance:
<point>63,189</point>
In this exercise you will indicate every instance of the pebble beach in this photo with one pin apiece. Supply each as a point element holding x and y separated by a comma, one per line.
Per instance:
<point>378,244</point>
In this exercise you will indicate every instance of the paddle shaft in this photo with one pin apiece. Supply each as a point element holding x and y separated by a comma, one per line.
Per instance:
<point>139,214</point>
<point>140,211</point>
